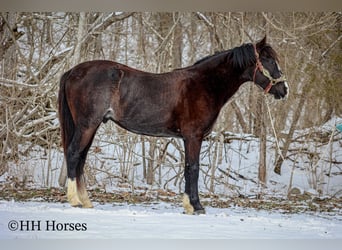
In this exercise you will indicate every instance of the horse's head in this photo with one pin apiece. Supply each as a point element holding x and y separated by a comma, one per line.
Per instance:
<point>267,73</point>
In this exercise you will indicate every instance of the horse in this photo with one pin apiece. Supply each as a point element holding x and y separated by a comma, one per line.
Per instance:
<point>183,103</point>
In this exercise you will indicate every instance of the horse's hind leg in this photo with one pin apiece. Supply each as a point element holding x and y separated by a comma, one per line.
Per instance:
<point>83,194</point>
<point>72,195</point>
<point>76,155</point>
<point>72,159</point>
<point>82,191</point>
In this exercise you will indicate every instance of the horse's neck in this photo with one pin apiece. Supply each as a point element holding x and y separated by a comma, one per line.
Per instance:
<point>223,80</point>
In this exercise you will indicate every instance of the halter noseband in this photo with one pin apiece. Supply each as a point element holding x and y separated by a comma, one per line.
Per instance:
<point>265,72</point>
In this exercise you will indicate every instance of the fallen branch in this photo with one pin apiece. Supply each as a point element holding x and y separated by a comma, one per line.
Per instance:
<point>237,174</point>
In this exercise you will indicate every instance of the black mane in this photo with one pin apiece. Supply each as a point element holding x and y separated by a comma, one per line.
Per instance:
<point>204,59</point>
<point>243,56</point>
<point>240,57</point>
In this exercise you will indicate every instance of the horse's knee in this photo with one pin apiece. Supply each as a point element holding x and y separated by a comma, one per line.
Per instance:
<point>72,154</point>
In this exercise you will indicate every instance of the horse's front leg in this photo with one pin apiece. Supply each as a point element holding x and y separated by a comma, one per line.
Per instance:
<point>191,200</point>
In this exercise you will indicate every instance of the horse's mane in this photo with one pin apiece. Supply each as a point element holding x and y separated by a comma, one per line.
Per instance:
<point>207,58</point>
<point>242,56</point>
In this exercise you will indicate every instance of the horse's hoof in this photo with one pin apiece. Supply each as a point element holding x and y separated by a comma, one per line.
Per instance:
<point>87,205</point>
<point>200,211</point>
<point>197,212</point>
<point>77,205</point>
<point>75,202</point>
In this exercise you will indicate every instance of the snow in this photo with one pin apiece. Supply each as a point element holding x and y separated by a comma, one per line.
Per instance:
<point>161,220</point>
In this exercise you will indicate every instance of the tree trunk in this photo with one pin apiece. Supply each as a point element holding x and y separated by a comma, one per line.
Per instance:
<point>82,22</point>
<point>262,152</point>
<point>8,52</point>
<point>239,117</point>
<point>150,161</point>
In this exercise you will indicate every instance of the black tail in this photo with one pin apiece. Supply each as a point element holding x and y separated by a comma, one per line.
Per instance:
<point>65,119</point>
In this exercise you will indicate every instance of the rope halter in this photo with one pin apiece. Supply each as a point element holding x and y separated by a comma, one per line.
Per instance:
<point>265,72</point>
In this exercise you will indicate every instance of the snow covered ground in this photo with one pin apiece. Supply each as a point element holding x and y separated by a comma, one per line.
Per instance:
<point>42,220</point>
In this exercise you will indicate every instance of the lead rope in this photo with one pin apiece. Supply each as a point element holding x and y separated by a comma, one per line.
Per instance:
<point>277,141</point>
<point>273,129</point>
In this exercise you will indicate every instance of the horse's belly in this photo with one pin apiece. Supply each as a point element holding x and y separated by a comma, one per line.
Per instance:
<point>150,128</point>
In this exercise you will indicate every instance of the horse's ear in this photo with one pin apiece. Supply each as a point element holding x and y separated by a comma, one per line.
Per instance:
<point>262,43</point>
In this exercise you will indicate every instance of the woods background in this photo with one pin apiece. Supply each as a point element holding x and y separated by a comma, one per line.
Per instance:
<point>36,48</point>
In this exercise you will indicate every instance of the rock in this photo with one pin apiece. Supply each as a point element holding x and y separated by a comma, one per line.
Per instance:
<point>295,191</point>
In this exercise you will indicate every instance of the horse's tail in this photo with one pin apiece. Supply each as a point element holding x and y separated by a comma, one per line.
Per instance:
<point>65,118</point>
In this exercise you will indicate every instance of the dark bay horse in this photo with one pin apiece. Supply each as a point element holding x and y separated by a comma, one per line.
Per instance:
<point>184,103</point>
